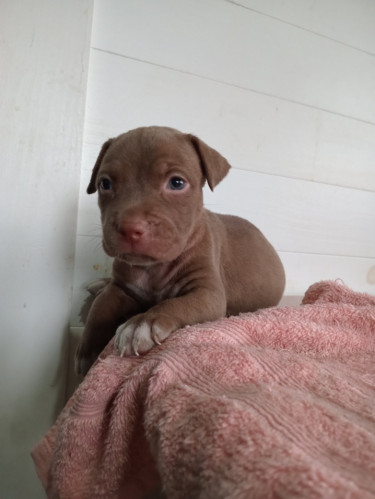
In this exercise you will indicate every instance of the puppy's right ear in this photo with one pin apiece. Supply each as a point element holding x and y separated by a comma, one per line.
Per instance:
<point>91,188</point>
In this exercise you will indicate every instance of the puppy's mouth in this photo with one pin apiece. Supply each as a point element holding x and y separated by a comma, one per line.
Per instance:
<point>143,244</point>
<point>136,259</point>
<point>138,256</point>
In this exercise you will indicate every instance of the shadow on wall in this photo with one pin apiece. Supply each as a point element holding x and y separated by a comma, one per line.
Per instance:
<point>36,405</point>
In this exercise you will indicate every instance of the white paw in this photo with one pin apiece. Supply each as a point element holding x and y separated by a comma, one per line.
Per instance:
<point>140,333</point>
<point>132,338</point>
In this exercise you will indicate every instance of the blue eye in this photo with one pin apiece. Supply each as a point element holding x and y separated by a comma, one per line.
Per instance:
<point>176,183</point>
<point>105,184</point>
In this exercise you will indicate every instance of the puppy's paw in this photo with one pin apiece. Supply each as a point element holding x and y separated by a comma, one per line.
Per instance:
<point>140,333</point>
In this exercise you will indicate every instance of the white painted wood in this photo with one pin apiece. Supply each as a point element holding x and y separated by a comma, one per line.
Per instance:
<point>255,132</point>
<point>300,216</point>
<point>222,41</point>
<point>304,269</point>
<point>290,301</point>
<point>348,21</point>
<point>44,58</point>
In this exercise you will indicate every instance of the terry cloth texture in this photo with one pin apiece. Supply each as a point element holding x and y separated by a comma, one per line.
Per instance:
<point>278,403</point>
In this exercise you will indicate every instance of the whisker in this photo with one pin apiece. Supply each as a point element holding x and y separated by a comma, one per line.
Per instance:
<point>94,243</point>
<point>94,230</point>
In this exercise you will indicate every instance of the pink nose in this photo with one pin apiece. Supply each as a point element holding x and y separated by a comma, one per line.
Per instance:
<point>134,231</point>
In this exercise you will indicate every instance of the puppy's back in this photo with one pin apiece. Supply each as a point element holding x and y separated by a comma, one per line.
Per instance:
<point>251,269</point>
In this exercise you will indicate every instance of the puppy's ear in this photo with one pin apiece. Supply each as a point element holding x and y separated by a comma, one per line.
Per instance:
<point>91,188</point>
<point>213,164</point>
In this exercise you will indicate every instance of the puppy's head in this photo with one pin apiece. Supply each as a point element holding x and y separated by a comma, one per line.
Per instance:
<point>149,182</point>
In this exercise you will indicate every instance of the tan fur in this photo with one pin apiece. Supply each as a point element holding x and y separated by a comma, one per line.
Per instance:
<point>175,263</point>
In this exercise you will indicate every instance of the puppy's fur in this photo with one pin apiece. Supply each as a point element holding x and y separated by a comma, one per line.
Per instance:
<point>175,263</point>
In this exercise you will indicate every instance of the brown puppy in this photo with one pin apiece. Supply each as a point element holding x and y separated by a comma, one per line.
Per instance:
<point>175,263</point>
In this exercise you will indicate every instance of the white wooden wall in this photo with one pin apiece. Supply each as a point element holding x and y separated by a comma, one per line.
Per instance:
<point>44,54</point>
<point>285,90</point>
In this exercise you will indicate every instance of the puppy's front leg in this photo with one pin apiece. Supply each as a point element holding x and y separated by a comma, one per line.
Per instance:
<point>109,309</point>
<point>140,333</point>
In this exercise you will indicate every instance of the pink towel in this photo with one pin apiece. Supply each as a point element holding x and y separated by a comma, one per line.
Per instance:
<point>280,403</point>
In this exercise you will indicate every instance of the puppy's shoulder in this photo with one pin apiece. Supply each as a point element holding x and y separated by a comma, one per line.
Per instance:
<point>231,224</point>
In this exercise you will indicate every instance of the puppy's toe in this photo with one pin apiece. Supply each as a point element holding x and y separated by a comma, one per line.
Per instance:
<point>134,337</point>
<point>140,333</point>
<point>123,338</point>
<point>142,338</point>
<point>162,328</point>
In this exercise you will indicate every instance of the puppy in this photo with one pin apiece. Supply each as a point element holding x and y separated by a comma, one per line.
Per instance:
<point>175,263</point>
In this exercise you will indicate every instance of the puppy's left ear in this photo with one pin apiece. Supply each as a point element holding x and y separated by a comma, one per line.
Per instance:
<point>91,188</point>
<point>213,164</point>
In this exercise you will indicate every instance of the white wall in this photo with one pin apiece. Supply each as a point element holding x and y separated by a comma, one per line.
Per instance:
<point>285,90</point>
<point>43,58</point>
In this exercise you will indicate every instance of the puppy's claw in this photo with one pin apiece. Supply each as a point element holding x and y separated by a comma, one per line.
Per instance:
<point>140,333</point>
<point>155,338</point>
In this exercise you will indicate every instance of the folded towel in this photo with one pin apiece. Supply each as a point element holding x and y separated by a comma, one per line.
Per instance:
<point>278,403</point>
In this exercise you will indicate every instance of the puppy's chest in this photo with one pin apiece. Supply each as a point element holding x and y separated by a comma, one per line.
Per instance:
<point>150,288</point>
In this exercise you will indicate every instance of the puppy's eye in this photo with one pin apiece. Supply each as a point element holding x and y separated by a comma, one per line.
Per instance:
<point>176,183</point>
<point>105,184</point>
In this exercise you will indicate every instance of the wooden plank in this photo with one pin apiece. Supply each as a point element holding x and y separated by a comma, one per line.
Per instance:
<point>349,21</point>
<point>300,216</point>
<point>303,269</point>
<point>255,132</point>
<point>44,54</point>
<point>241,48</point>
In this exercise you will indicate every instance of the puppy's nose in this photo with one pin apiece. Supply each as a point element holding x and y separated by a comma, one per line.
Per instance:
<point>134,231</point>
